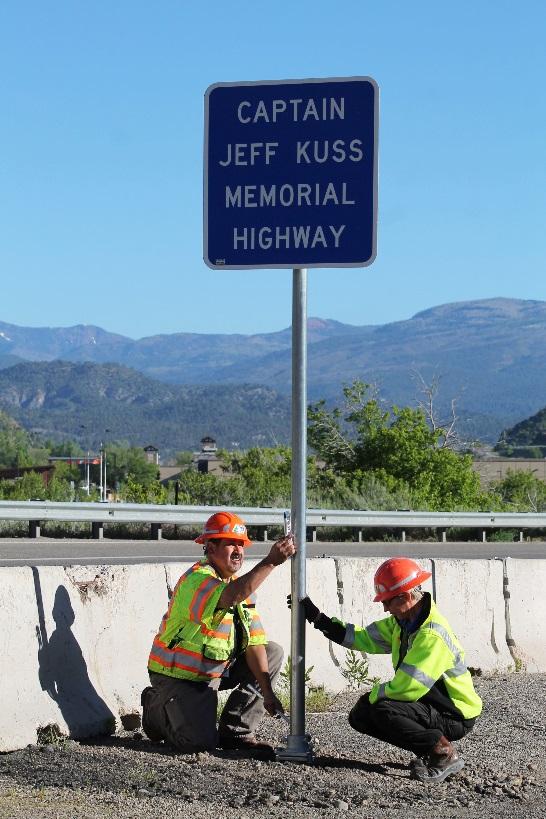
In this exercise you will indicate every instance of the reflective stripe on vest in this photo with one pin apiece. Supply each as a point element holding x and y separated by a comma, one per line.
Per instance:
<point>200,597</point>
<point>349,638</point>
<point>185,660</point>
<point>459,666</point>
<point>416,674</point>
<point>457,670</point>
<point>256,628</point>
<point>377,637</point>
<point>221,631</point>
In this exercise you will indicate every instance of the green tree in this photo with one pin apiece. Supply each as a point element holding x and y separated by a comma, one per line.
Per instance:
<point>210,490</point>
<point>521,492</point>
<point>134,492</point>
<point>29,486</point>
<point>265,474</point>
<point>184,458</point>
<point>397,447</point>
<point>64,449</point>
<point>129,462</point>
<point>15,443</point>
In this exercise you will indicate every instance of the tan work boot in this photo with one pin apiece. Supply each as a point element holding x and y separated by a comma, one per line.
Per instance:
<point>442,762</point>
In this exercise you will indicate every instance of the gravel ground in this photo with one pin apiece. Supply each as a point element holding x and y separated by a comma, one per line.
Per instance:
<point>353,776</point>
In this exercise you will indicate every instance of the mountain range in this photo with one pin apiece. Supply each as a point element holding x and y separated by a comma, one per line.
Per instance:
<point>489,355</point>
<point>93,402</point>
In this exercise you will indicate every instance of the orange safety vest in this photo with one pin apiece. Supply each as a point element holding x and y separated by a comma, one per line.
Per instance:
<point>196,640</point>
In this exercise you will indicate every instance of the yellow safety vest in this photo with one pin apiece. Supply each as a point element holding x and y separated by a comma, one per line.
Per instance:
<point>196,640</point>
<point>434,653</point>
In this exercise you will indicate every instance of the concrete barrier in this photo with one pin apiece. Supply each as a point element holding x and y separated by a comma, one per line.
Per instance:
<point>526,611</point>
<point>470,594</point>
<point>75,640</point>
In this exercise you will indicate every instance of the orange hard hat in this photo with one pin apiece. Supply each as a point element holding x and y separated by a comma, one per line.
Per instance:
<point>397,575</point>
<point>224,525</point>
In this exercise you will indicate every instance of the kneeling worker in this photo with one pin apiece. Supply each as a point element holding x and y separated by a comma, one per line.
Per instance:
<point>430,701</point>
<point>211,638</point>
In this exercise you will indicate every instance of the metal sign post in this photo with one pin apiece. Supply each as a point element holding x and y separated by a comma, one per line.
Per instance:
<point>290,180</point>
<point>298,747</point>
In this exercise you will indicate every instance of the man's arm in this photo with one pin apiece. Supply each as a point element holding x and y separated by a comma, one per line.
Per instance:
<point>256,658</point>
<point>240,589</point>
<point>331,629</point>
<point>373,639</point>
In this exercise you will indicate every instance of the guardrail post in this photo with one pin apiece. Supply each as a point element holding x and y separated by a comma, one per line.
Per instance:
<point>34,528</point>
<point>484,536</point>
<point>444,535</point>
<point>97,530</point>
<point>360,535</point>
<point>155,531</point>
<point>265,533</point>
<point>403,535</point>
<point>521,536</point>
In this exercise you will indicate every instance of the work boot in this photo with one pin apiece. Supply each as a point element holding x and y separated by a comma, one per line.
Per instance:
<point>418,763</point>
<point>442,762</point>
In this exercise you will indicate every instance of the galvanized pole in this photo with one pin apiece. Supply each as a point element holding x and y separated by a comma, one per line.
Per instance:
<point>298,744</point>
<point>104,481</point>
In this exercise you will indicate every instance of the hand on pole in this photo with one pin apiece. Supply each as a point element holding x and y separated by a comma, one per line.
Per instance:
<point>281,550</point>
<point>309,609</point>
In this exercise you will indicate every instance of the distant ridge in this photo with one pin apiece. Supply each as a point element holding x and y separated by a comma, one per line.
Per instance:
<point>489,354</point>
<point>89,402</point>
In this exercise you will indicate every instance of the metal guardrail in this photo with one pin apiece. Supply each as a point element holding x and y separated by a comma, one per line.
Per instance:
<point>37,512</point>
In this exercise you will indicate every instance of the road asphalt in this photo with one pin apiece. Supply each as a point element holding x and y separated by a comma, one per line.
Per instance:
<point>60,552</point>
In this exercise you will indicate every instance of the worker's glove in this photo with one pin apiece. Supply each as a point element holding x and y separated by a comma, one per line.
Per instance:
<point>330,628</point>
<point>310,610</point>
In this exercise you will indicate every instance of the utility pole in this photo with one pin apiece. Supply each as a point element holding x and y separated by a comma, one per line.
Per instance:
<point>101,454</point>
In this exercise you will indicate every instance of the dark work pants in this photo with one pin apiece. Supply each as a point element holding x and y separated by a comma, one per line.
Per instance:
<point>184,712</point>
<point>414,726</point>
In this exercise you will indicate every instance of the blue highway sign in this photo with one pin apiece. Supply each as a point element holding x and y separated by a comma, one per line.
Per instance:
<point>290,173</point>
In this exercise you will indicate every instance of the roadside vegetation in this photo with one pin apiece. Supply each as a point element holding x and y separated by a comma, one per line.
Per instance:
<point>364,456</point>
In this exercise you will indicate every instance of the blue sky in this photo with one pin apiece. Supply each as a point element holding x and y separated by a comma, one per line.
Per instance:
<point>101,140</point>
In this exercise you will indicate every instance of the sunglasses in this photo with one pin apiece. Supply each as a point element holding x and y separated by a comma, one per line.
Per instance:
<point>396,597</point>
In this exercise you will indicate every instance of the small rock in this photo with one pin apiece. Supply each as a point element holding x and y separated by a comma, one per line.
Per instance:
<point>270,801</point>
<point>340,804</point>
<point>142,793</point>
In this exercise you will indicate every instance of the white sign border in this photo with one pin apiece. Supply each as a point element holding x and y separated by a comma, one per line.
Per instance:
<point>292,265</point>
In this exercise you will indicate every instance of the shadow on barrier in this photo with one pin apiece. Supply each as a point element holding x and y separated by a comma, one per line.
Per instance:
<point>63,671</point>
